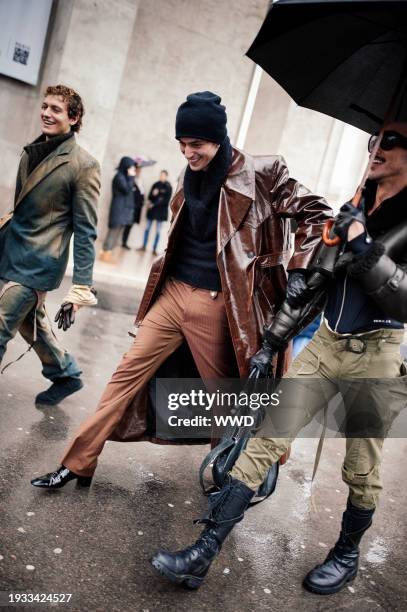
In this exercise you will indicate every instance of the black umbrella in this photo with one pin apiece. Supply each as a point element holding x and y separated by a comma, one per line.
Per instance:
<point>344,58</point>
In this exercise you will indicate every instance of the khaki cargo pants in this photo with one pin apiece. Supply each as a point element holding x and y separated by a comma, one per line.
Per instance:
<point>331,361</point>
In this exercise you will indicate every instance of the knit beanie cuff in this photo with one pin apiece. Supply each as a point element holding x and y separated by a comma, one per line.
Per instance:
<point>202,116</point>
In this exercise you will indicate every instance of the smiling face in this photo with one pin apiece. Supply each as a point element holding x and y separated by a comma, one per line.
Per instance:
<point>54,116</point>
<point>198,153</point>
<point>392,164</point>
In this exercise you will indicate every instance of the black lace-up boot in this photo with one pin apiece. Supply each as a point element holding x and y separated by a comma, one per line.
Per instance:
<point>341,564</point>
<point>189,567</point>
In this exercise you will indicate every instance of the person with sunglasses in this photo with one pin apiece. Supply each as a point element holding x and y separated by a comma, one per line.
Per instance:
<point>390,140</point>
<point>365,308</point>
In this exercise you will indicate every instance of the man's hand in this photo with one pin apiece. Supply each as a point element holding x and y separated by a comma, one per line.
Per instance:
<point>298,293</point>
<point>262,361</point>
<point>271,345</point>
<point>65,316</point>
<point>350,222</point>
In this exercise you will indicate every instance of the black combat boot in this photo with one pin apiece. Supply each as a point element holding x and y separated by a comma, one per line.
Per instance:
<point>341,564</point>
<point>59,390</point>
<point>189,567</point>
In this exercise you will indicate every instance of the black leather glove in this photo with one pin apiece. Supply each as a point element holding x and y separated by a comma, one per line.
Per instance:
<point>65,316</point>
<point>298,293</point>
<point>346,216</point>
<point>262,360</point>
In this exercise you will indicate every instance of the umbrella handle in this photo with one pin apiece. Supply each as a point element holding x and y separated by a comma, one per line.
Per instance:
<point>326,233</point>
<point>331,222</point>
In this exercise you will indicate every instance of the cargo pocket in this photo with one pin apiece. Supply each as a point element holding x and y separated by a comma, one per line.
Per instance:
<point>308,368</point>
<point>360,477</point>
<point>364,487</point>
<point>306,363</point>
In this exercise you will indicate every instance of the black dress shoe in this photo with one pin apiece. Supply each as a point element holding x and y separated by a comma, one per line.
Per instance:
<point>59,390</point>
<point>59,478</point>
<point>124,246</point>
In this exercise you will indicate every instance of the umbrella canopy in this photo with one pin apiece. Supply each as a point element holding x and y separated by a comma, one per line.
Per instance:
<point>344,58</point>
<point>144,162</point>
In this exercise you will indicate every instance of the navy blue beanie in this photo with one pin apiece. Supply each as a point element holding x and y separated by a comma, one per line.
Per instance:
<point>202,116</point>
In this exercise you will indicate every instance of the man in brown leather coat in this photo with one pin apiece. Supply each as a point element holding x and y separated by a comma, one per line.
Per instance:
<point>218,283</point>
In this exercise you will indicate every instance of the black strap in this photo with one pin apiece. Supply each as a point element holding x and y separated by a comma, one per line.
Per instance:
<point>211,458</point>
<point>226,443</point>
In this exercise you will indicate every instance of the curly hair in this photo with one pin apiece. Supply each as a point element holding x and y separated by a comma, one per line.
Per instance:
<point>74,102</point>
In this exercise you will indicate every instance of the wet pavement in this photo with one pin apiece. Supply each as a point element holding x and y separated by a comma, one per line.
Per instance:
<point>96,543</point>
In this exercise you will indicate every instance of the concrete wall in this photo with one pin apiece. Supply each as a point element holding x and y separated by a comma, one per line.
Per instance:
<point>177,47</point>
<point>20,104</point>
<point>134,62</point>
<point>87,49</point>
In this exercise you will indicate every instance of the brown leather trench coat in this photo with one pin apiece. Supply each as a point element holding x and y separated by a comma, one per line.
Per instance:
<point>254,249</point>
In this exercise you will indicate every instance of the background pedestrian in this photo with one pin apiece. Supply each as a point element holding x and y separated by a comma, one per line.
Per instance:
<point>159,199</point>
<point>122,206</point>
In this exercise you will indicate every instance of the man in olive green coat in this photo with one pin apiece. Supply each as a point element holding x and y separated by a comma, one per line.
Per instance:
<point>57,190</point>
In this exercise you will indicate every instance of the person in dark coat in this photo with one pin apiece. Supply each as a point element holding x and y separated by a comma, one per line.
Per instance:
<point>138,197</point>
<point>122,205</point>
<point>159,198</point>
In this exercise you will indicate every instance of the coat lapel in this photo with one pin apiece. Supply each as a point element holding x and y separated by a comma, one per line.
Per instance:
<point>236,197</point>
<point>60,156</point>
<point>177,204</point>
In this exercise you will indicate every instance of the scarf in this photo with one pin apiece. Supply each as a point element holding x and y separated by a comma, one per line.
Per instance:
<point>202,189</point>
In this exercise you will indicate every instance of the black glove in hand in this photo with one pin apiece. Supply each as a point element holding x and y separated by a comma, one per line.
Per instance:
<point>261,361</point>
<point>346,216</point>
<point>65,316</point>
<point>298,293</point>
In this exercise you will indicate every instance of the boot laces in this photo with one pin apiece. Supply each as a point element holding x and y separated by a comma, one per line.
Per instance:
<point>216,501</point>
<point>205,543</point>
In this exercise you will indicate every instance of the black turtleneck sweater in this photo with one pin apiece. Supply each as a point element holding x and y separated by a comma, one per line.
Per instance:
<point>194,259</point>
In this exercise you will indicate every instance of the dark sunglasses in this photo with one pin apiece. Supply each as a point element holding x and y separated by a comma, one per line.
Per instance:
<point>389,141</point>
